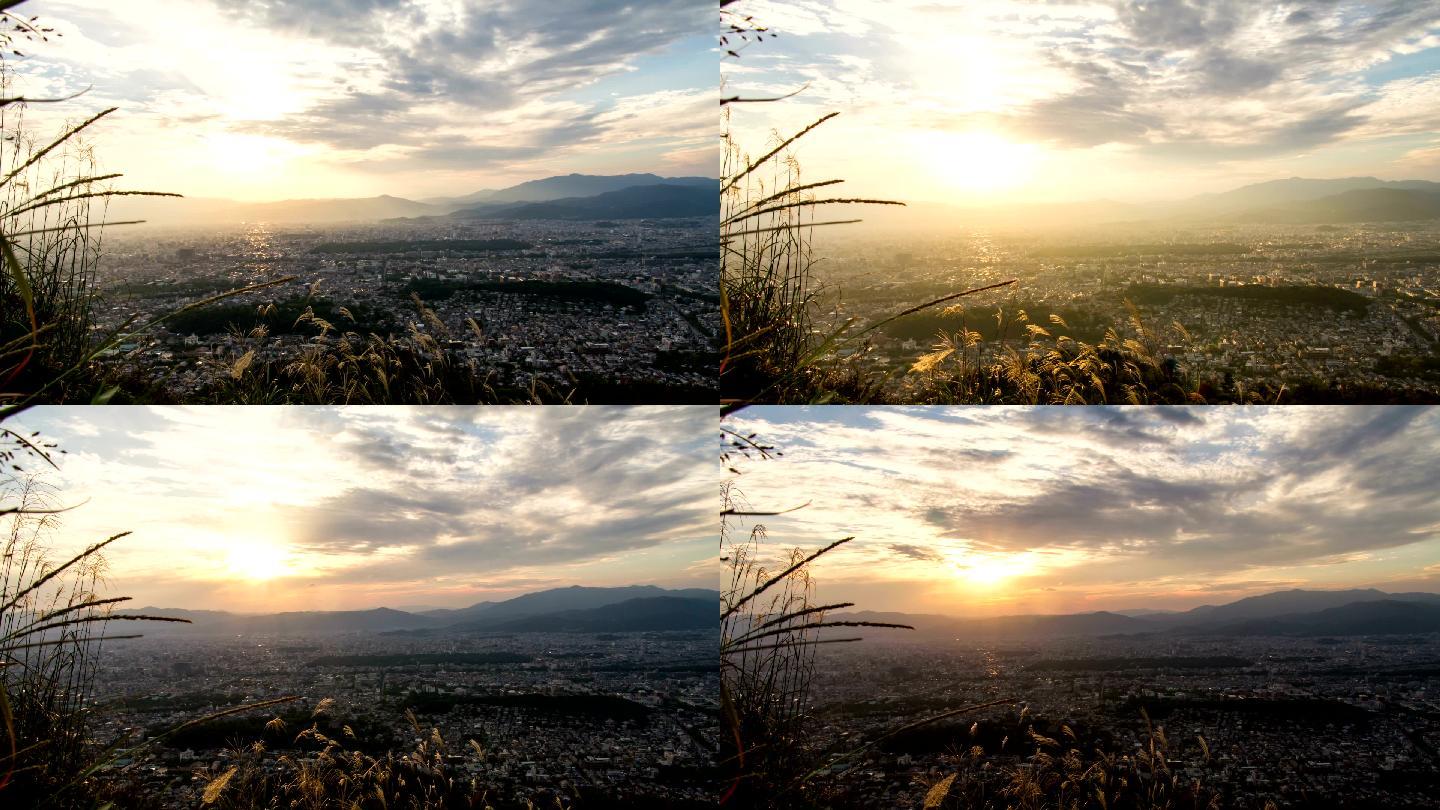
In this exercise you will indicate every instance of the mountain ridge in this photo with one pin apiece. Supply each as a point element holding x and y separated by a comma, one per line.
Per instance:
<point>336,210</point>
<point>571,600</point>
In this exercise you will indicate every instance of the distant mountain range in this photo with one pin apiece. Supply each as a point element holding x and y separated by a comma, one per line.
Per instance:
<point>638,608</point>
<point>660,201</point>
<point>1285,613</point>
<point>1294,201</point>
<point>571,196</point>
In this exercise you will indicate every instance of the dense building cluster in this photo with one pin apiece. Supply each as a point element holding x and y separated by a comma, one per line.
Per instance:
<point>1301,722</point>
<point>556,303</point>
<point>621,716</point>
<point>1329,305</point>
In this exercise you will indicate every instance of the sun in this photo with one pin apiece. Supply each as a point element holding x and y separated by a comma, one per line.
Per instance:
<point>992,571</point>
<point>257,561</point>
<point>978,161</point>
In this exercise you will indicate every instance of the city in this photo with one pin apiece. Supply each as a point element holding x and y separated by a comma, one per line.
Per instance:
<point>612,310</point>
<point>1335,310</point>
<point>596,720</point>
<point>1349,721</point>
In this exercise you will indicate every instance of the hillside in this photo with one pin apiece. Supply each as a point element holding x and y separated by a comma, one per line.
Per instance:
<point>649,608</point>
<point>635,202</point>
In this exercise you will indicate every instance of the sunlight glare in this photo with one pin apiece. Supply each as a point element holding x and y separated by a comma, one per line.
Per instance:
<point>257,561</point>
<point>992,571</point>
<point>978,161</point>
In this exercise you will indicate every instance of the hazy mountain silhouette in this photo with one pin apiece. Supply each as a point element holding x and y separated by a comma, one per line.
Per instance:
<point>634,202</point>
<point>1299,189</point>
<point>205,211</point>
<point>1290,612</point>
<point>1035,626</point>
<point>1284,603</point>
<point>564,188</point>
<point>1360,205</point>
<point>575,597</point>
<point>571,602</point>
<point>633,615</point>
<point>589,185</point>
<point>295,623</point>
<point>1381,617</point>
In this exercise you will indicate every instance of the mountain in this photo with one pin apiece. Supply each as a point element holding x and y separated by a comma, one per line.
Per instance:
<point>199,210</point>
<point>570,602</point>
<point>452,203</point>
<point>648,614</point>
<point>1380,617</point>
<point>589,185</point>
<point>573,598</point>
<point>210,622</point>
<point>1359,205</point>
<point>1285,603</point>
<point>634,202</point>
<point>1037,626</point>
<point>1294,612</point>
<point>1299,189</point>
<point>563,188</point>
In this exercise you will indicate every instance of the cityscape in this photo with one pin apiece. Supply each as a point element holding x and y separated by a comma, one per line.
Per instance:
<point>612,311</point>
<point>1100,607</point>
<point>594,719</point>
<point>1335,721</point>
<point>1343,313</point>
<point>403,607</point>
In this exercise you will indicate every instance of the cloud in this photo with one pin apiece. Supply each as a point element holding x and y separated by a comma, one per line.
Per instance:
<point>1094,499</point>
<point>1192,80</point>
<point>480,61</point>
<point>371,502</point>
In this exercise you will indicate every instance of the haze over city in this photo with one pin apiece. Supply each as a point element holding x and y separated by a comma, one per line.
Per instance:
<point>991,511</point>
<point>270,509</point>
<point>1007,101</point>
<point>366,97</point>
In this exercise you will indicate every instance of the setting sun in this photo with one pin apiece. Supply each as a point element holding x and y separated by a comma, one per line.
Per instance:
<point>258,561</point>
<point>989,572</point>
<point>978,161</point>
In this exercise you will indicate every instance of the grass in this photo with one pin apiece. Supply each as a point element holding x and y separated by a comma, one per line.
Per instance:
<point>339,776</point>
<point>770,629</point>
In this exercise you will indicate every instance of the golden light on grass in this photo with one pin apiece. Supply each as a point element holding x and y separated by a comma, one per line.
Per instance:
<point>977,160</point>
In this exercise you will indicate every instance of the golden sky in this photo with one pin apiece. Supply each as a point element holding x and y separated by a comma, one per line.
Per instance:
<point>1015,101</point>
<point>349,98</point>
<point>995,510</point>
<point>309,508</point>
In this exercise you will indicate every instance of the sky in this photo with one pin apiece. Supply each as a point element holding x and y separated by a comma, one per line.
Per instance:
<point>976,511</point>
<point>262,509</point>
<point>1132,100</point>
<point>280,99</point>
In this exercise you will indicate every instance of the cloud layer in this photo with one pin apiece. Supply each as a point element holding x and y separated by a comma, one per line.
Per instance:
<point>1161,83</point>
<point>1080,508</point>
<point>433,90</point>
<point>390,506</point>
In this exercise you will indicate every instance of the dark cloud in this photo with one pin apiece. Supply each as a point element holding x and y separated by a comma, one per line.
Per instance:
<point>915,552</point>
<point>617,479</point>
<point>1360,480</point>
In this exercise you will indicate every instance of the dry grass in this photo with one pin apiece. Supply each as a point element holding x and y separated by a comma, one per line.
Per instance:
<point>1035,364</point>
